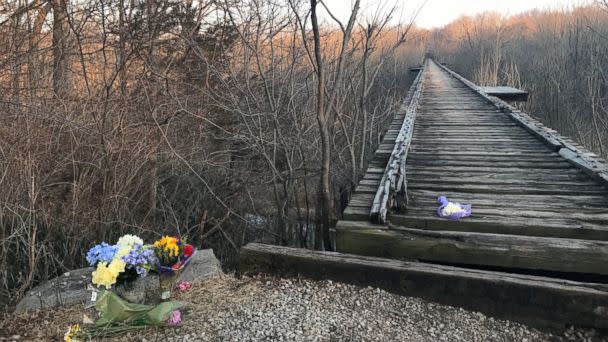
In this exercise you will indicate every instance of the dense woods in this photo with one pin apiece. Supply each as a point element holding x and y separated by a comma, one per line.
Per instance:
<point>232,121</point>
<point>224,121</point>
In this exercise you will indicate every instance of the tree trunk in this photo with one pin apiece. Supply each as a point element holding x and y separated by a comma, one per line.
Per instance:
<point>322,231</point>
<point>362,99</point>
<point>122,75</point>
<point>33,68</point>
<point>61,53</point>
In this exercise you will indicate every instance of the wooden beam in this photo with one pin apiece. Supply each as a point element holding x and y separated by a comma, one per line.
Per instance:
<point>501,250</point>
<point>538,301</point>
<point>393,183</point>
<point>506,93</point>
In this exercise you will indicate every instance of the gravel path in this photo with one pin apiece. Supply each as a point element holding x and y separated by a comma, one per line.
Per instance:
<point>271,309</point>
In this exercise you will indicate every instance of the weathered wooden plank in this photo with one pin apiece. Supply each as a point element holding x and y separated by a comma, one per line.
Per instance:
<point>546,175</point>
<point>373,176</point>
<point>591,166</point>
<point>524,226</point>
<point>573,199</point>
<point>471,149</point>
<point>506,93</point>
<point>554,164</point>
<point>509,251</point>
<point>393,181</point>
<point>466,133</point>
<point>531,299</point>
<point>561,206</point>
<point>496,168</point>
<point>439,152</point>
<point>367,189</point>
<point>499,189</point>
<point>489,156</point>
<point>490,179</point>
<point>480,143</point>
<point>597,216</point>
<point>355,213</point>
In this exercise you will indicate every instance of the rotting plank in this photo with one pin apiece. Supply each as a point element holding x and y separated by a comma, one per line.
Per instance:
<point>393,183</point>
<point>524,226</point>
<point>509,251</point>
<point>592,215</point>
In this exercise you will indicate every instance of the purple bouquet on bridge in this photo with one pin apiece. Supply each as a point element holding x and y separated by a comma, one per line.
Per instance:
<point>452,210</point>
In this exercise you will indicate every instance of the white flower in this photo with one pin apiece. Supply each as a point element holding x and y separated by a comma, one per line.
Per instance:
<point>129,241</point>
<point>451,208</point>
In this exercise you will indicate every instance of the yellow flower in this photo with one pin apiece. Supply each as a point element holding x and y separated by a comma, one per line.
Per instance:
<point>122,251</point>
<point>117,266</point>
<point>105,275</point>
<point>168,244</point>
<point>173,250</point>
<point>70,334</point>
<point>165,241</point>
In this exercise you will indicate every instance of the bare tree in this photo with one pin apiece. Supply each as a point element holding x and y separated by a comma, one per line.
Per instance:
<point>323,115</point>
<point>61,51</point>
<point>224,121</point>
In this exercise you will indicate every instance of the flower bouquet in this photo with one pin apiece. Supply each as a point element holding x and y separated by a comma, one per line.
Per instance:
<point>121,263</point>
<point>173,255</point>
<point>126,263</point>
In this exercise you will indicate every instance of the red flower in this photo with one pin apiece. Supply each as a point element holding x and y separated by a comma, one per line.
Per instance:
<point>188,250</point>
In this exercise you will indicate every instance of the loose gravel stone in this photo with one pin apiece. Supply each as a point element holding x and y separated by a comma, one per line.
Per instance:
<point>273,309</point>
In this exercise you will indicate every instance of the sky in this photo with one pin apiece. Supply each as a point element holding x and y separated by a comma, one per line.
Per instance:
<point>437,13</point>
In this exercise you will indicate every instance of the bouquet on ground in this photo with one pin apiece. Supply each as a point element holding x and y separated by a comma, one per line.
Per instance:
<point>173,254</point>
<point>128,259</point>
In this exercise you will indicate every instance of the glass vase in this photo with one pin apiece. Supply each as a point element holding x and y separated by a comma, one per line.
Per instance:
<point>167,279</point>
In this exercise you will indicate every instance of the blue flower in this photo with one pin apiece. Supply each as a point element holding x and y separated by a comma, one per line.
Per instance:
<point>101,253</point>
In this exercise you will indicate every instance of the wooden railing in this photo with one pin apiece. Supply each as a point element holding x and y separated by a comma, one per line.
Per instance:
<point>392,192</point>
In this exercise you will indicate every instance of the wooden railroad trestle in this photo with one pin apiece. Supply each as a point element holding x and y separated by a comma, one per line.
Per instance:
<point>540,201</point>
<point>535,248</point>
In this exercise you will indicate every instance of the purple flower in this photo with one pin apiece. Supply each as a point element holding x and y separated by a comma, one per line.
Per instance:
<point>141,258</point>
<point>141,271</point>
<point>175,318</point>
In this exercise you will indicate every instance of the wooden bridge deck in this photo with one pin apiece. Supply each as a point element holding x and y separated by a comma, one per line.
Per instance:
<point>539,201</point>
<point>468,150</point>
